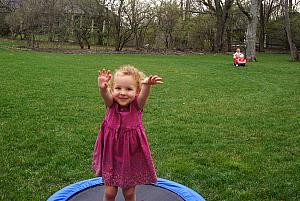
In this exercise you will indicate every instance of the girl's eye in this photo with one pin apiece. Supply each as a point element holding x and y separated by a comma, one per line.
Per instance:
<point>118,88</point>
<point>129,89</point>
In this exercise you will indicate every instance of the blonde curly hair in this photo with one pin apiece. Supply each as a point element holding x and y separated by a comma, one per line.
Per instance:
<point>137,75</point>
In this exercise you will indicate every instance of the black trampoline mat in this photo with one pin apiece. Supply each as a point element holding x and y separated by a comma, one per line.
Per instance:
<point>143,193</point>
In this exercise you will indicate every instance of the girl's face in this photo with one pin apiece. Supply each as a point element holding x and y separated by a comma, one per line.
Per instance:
<point>124,89</point>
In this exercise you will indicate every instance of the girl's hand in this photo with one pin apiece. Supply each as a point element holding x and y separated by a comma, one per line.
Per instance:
<point>103,78</point>
<point>152,80</point>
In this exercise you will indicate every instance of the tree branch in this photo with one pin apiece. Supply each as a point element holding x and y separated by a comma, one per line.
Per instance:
<point>243,10</point>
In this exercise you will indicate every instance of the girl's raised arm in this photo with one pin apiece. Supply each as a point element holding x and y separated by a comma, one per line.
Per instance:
<point>103,78</point>
<point>145,90</point>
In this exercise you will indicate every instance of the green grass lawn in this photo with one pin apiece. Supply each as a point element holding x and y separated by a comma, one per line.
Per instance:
<point>42,43</point>
<point>228,133</point>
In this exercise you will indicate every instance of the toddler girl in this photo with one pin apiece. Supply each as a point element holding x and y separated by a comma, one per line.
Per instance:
<point>121,153</point>
<point>238,58</point>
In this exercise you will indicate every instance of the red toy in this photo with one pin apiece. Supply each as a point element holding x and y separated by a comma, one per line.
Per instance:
<point>238,58</point>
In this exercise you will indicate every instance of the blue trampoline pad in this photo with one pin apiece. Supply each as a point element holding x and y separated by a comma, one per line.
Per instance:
<point>93,190</point>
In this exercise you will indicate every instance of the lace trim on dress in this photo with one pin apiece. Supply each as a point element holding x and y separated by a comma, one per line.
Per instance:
<point>111,179</point>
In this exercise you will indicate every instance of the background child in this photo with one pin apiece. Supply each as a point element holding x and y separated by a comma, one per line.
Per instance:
<point>238,58</point>
<point>238,53</point>
<point>121,153</point>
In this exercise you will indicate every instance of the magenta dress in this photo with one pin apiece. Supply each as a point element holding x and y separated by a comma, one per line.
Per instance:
<point>121,152</point>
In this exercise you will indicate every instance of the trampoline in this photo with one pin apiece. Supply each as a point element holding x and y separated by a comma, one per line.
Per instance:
<point>93,189</point>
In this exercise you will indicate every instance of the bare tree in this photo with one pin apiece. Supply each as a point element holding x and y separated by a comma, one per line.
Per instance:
<point>83,14</point>
<point>12,18</point>
<point>267,7</point>
<point>29,19</point>
<point>220,10</point>
<point>251,28</point>
<point>185,9</point>
<point>8,5</point>
<point>52,10</point>
<point>5,8</point>
<point>236,29</point>
<point>102,21</point>
<point>168,14</point>
<point>121,26</point>
<point>184,25</point>
<point>286,6</point>
<point>139,16</point>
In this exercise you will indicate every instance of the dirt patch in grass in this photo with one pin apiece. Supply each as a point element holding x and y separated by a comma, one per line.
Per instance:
<point>101,51</point>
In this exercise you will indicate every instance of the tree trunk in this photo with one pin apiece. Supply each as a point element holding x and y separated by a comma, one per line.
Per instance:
<point>229,36</point>
<point>262,28</point>
<point>50,31</point>
<point>261,47</point>
<point>118,27</point>
<point>78,34</point>
<point>51,22</point>
<point>266,8</point>
<point>33,40</point>
<point>222,16</point>
<point>86,40</point>
<point>251,31</point>
<point>187,10</point>
<point>134,24</point>
<point>293,49</point>
<point>137,40</point>
<point>219,34</point>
